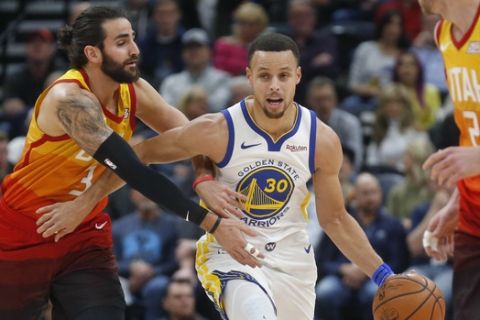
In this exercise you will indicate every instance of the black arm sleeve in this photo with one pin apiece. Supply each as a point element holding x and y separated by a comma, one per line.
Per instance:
<point>117,155</point>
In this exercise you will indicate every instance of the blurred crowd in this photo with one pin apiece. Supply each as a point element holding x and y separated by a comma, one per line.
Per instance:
<point>370,70</point>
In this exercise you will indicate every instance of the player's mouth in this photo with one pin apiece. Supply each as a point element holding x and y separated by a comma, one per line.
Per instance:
<point>132,63</point>
<point>274,103</point>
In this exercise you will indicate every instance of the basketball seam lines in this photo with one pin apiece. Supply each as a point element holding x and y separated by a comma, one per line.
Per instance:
<point>424,287</point>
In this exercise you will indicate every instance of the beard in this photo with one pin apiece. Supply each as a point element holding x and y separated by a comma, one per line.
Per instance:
<point>272,115</point>
<point>118,72</point>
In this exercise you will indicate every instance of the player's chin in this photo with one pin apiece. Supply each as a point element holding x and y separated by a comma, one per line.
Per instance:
<point>133,72</point>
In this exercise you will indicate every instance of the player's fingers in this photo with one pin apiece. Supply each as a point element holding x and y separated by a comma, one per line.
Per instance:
<point>247,230</point>
<point>60,234</point>
<point>438,172</point>
<point>54,229</point>
<point>46,209</point>
<point>446,173</point>
<point>243,257</point>
<point>233,212</point>
<point>45,226</point>
<point>250,259</point>
<point>253,251</point>
<point>433,159</point>
<point>233,202</point>
<point>452,180</point>
<point>239,197</point>
<point>44,218</point>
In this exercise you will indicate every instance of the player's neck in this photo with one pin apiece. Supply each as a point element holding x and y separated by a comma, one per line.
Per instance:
<point>102,86</point>
<point>275,127</point>
<point>461,13</point>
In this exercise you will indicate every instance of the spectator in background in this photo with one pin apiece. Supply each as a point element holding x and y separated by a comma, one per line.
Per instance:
<point>239,89</point>
<point>424,97</point>
<point>27,83</point>
<point>318,49</point>
<point>179,301</point>
<point>393,129</point>
<point>322,98</point>
<point>230,52</point>
<point>138,12</point>
<point>373,62</point>
<point>12,117</point>
<point>431,58</point>
<point>194,102</point>
<point>411,15</point>
<point>162,47</point>
<point>196,55</point>
<point>415,189</point>
<point>144,244</point>
<point>344,281</point>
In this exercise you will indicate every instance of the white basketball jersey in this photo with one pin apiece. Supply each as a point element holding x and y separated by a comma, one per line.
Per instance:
<point>272,174</point>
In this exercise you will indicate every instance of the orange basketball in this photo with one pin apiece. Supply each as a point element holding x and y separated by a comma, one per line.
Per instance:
<point>408,296</point>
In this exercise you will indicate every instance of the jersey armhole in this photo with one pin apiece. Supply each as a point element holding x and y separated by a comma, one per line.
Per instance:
<point>437,32</point>
<point>231,140</point>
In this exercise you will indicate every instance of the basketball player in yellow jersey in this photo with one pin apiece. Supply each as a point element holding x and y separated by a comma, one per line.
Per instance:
<point>79,124</point>
<point>458,38</point>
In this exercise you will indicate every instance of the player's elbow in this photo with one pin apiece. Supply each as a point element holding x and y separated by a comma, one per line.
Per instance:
<point>332,222</point>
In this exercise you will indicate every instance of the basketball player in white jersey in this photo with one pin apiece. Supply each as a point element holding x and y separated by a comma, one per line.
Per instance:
<point>267,147</point>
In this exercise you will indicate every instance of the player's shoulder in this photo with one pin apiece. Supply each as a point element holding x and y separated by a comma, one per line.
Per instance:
<point>214,123</point>
<point>325,137</point>
<point>142,85</point>
<point>328,149</point>
<point>67,90</point>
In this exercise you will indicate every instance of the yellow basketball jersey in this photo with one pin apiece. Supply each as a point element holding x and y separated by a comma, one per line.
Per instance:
<point>462,68</point>
<point>56,169</point>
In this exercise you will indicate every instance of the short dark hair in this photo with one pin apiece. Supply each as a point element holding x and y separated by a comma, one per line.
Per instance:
<point>273,42</point>
<point>87,31</point>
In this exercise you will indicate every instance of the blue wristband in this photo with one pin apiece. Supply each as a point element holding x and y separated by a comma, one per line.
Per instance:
<point>382,273</point>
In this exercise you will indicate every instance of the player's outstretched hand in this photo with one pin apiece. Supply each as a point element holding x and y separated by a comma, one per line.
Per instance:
<point>221,199</point>
<point>60,219</point>
<point>229,235</point>
<point>438,238</point>
<point>452,164</point>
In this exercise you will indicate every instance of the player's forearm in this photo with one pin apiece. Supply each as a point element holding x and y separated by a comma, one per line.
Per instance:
<point>352,241</point>
<point>108,182</point>
<point>162,149</point>
<point>105,185</point>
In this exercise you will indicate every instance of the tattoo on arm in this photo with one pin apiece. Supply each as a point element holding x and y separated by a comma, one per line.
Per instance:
<point>82,117</point>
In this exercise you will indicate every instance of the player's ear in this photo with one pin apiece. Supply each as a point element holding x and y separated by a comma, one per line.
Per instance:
<point>299,74</point>
<point>248,73</point>
<point>93,54</point>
